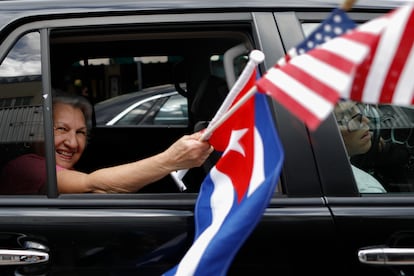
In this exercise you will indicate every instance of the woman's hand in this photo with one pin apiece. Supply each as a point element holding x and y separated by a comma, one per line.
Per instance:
<point>188,152</point>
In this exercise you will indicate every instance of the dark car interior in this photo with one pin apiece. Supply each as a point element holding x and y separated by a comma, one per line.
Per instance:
<point>392,164</point>
<point>103,62</point>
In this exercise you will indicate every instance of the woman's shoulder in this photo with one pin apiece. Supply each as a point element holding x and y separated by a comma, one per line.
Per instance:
<point>29,157</point>
<point>26,174</point>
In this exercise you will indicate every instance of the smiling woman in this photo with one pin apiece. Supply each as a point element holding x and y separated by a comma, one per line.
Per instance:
<point>111,50</point>
<point>72,117</point>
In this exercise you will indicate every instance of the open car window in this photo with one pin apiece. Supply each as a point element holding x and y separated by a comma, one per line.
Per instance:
<point>149,85</point>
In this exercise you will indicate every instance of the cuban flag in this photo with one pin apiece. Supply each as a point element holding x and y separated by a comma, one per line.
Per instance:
<point>237,189</point>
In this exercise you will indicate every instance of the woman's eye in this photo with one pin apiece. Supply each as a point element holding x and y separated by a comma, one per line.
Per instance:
<point>81,132</point>
<point>61,130</point>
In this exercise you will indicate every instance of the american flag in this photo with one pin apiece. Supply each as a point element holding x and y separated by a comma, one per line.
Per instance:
<point>337,23</point>
<point>371,64</point>
<point>386,74</point>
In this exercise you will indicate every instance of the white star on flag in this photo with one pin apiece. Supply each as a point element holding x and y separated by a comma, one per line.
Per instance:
<point>234,143</point>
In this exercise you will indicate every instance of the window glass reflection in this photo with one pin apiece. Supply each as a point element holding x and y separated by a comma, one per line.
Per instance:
<point>21,119</point>
<point>24,58</point>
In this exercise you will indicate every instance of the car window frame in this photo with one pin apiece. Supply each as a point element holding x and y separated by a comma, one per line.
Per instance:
<point>266,30</point>
<point>44,27</point>
<point>293,133</point>
<point>327,138</point>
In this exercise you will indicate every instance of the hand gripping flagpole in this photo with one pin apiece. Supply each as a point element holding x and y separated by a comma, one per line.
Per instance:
<point>255,57</point>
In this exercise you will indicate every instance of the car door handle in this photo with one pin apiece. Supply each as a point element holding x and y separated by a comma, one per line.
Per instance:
<point>22,257</point>
<point>386,256</point>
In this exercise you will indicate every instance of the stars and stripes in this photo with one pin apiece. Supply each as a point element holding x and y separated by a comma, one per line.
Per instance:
<point>307,79</point>
<point>336,24</point>
<point>371,63</point>
<point>386,74</point>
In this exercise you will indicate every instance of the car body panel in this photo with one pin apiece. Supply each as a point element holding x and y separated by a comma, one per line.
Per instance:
<point>317,223</point>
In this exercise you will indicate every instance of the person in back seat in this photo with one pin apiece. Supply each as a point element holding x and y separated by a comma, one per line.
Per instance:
<point>355,131</point>
<point>72,122</point>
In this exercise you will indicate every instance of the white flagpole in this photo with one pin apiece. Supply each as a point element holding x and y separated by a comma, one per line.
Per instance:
<point>255,58</point>
<point>212,127</point>
<point>223,113</point>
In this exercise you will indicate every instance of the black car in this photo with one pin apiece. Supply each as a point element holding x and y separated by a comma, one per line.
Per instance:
<point>159,105</point>
<point>317,222</point>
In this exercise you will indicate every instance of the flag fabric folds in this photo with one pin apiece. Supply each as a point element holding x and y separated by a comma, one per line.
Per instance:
<point>386,73</point>
<point>337,23</point>
<point>371,63</point>
<point>306,80</point>
<point>237,189</point>
<point>246,79</point>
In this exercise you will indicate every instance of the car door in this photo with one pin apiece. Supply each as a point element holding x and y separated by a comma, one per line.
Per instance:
<point>53,234</point>
<point>374,231</point>
<point>148,232</point>
<point>297,228</point>
<point>44,232</point>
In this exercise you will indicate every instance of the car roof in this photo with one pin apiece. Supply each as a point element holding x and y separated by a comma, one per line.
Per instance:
<point>16,9</point>
<point>33,5</point>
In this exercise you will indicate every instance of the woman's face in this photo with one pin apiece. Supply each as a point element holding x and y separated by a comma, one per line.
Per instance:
<point>70,134</point>
<point>355,133</point>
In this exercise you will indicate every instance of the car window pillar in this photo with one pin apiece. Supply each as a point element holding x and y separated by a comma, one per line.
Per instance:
<point>52,190</point>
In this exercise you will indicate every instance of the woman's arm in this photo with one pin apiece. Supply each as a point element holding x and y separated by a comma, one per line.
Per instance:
<point>187,152</point>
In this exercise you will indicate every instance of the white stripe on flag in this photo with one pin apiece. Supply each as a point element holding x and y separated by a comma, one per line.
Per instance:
<point>258,173</point>
<point>348,49</point>
<point>387,48</point>
<point>374,26</point>
<point>403,93</point>
<point>222,199</point>
<point>309,99</point>
<point>323,72</point>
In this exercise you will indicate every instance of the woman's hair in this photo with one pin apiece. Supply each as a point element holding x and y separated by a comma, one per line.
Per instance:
<point>77,101</point>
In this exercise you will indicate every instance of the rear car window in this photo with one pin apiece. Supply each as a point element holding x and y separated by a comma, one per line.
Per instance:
<point>21,114</point>
<point>379,141</point>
